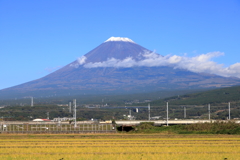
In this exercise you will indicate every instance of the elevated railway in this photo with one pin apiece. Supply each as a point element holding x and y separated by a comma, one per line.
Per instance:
<point>170,122</point>
<point>163,122</point>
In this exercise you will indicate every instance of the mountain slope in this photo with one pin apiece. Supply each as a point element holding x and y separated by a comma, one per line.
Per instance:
<point>106,69</point>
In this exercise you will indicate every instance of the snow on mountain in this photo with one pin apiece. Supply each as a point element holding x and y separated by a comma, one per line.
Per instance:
<point>124,39</point>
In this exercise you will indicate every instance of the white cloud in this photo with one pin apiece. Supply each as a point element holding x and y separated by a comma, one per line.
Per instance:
<point>233,70</point>
<point>112,62</point>
<point>198,64</point>
<point>80,61</point>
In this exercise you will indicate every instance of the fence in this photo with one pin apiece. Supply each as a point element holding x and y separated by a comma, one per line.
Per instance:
<point>57,128</point>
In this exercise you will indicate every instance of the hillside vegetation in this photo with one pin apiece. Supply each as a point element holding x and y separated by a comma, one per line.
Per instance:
<point>217,96</point>
<point>200,128</point>
<point>195,104</point>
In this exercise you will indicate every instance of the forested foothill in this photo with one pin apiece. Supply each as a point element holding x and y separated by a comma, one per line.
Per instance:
<point>106,107</point>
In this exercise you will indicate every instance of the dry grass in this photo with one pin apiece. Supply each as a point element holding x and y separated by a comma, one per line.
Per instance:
<point>119,146</point>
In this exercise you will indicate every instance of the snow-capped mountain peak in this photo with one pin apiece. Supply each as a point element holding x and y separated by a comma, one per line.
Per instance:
<point>125,39</point>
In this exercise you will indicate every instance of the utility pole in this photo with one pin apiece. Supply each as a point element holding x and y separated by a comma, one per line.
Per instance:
<point>31,101</point>
<point>47,115</point>
<point>209,112</point>
<point>130,113</point>
<point>167,113</point>
<point>136,110</point>
<point>75,112</point>
<point>185,112</point>
<point>229,107</point>
<point>70,107</point>
<point>149,112</point>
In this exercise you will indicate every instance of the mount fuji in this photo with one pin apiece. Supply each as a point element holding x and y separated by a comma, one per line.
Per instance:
<point>118,65</point>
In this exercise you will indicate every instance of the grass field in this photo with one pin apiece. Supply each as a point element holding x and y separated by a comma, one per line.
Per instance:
<point>119,146</point>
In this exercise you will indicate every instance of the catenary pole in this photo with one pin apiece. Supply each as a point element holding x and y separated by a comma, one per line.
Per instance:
<point>229,112</point>
<point>70,107</point>
<point>167,113</point>
<point>31,101</point>
<point>75,114</point>
<point>209,112</point>
<point>185,112</point>
<point>149,117</point>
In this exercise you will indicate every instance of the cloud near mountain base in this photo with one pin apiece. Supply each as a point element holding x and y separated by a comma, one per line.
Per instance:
<point>200,64</point>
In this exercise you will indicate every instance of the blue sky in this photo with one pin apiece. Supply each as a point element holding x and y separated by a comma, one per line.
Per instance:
<point>37,37</point>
